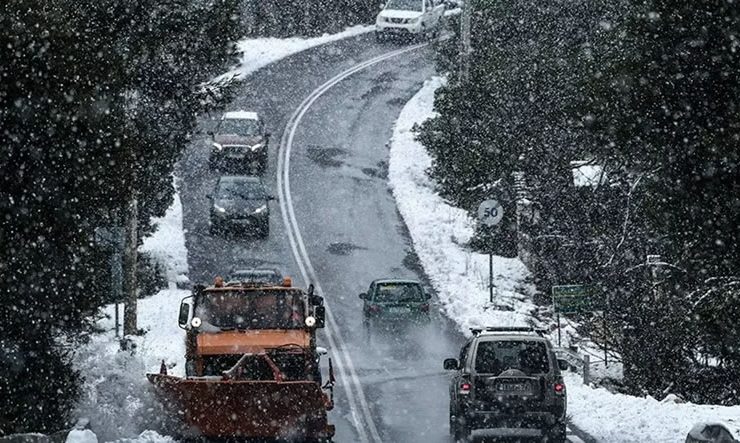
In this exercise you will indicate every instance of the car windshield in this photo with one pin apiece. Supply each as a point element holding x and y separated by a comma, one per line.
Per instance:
<point>398,292</point>
<point>494,357</point>
<point>247,190</point>
<point>251,310</point>
<point>404,5</point>
<point>242,127</point>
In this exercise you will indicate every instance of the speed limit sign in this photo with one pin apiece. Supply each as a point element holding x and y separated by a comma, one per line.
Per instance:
<point>490,213</point>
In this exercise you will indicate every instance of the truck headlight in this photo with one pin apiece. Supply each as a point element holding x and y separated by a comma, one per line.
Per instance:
<point>217,147</point>
<point>257,147</point>
<point>261,209</point>
<point>220,209</point>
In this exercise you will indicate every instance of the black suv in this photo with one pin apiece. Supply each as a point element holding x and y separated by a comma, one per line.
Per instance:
<point>508,382</point>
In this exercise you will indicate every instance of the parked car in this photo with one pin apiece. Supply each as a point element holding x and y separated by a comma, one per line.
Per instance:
<point>259,275</point>
<point>239,143</point>
<point>710,433</point>
<point>395,300</point>
<point>240,203</point>
<point>409,18</point>
<point>507,381</point>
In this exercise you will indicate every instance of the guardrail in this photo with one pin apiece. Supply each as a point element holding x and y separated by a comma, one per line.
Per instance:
<point>575,360</point>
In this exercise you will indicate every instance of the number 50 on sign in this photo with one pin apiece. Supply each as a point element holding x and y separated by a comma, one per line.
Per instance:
<point>490,213</point>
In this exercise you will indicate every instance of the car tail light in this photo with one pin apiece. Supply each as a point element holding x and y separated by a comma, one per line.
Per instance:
<point>559,388</point>
<point>465,388</point>
<point>424,307</point>
<point>375,308</point>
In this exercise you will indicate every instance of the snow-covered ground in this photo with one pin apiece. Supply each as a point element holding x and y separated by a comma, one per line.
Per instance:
<point>116,396</point>
<point>257,53</point>
<point>440,231</point>
<point>167,244</point>
<point>610,417</point>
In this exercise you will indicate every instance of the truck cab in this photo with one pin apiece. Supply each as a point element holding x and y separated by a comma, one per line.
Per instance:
<point>224,322</point>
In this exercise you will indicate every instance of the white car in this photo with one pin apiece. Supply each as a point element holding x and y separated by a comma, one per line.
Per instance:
<point>410,18</point>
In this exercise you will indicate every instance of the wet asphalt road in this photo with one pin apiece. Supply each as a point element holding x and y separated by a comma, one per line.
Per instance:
<point>349,222</point>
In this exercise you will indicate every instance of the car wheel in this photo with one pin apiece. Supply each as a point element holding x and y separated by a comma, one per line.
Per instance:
<point>460,430</point>
<point>264,230</point>
<point>557,434</point>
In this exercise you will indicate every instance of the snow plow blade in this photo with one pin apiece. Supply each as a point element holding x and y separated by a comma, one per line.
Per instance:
<point>220,408</point>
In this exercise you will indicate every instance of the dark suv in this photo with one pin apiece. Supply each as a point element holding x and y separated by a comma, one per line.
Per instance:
<point>508,382</point>
<point>240,203</point>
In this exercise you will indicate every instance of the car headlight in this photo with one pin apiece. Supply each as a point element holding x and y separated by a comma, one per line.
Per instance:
<point>257,147</point>
<point>220,209</point>
<point>261,209</point>
<point>217,146</point>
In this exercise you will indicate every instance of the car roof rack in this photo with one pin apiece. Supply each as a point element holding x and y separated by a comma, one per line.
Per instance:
<point>509,329</point>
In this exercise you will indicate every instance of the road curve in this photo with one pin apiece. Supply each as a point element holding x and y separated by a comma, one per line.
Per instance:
<point>337,226</point>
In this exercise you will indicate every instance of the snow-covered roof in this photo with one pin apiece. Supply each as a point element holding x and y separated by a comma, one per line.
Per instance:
<point>240,115</point>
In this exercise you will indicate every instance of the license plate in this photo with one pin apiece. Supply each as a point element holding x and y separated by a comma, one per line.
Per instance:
<point>399,310</point>
<point>513,387</point>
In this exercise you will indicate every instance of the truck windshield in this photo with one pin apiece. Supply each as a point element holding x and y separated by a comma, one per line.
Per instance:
<point>494,357</point>
<point>252,310</point>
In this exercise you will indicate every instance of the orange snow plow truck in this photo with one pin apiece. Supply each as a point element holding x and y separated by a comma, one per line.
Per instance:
<point>251,365</point>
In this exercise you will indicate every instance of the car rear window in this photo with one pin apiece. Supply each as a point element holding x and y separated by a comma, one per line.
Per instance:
<point>398,292</point>
<point>495,357</point>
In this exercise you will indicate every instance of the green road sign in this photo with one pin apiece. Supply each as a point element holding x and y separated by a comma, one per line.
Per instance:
<point>572,299</point>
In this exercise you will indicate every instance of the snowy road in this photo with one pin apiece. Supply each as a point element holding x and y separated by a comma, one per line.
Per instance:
<point>392,387</point>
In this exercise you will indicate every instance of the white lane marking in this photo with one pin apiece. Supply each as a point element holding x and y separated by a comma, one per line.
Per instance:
<point>340,353</point>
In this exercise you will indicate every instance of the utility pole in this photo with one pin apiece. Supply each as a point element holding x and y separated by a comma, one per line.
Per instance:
<point>130,259</point>
<point>465,40</point>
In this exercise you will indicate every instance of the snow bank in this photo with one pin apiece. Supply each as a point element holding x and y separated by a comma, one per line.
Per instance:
<point>167,242</point>
<point>439,232</point>
<point>257,53</point>
<point>610,417</point>
<point>116,395</point>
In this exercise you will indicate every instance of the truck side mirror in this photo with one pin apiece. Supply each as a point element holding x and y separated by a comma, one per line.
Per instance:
<point>363,296</point>
<point>316,300</point>
<point>451,364</point>
<point>186,309</point>
<point>319,312</point>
